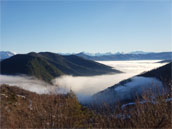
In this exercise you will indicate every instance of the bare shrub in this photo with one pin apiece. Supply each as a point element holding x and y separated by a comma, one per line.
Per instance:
<point>23,109</point>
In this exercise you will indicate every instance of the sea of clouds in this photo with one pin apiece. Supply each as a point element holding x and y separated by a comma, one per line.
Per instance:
<point>30,84</point>
<point>82,86</point>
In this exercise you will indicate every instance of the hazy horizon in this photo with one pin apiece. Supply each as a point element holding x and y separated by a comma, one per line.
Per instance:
<point>108,52</point>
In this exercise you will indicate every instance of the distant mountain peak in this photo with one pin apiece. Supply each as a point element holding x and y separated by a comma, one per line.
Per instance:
<point>138,52</point>
<point>135,55</point>
<point>6,54</point>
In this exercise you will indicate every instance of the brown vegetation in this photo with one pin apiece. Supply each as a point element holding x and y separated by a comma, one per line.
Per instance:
<point>24,109</point>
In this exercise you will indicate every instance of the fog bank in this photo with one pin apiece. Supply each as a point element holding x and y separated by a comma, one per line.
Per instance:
<point>138,85</point>
<point>94,84</point>
<point>130,90</point>
<point>31,84</point>
<point>82,86</point>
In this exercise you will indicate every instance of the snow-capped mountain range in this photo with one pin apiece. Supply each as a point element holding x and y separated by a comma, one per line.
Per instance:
<point>106,53</point>
<point>136,55</point>
<point>6,54</point>
<point>110,56</point>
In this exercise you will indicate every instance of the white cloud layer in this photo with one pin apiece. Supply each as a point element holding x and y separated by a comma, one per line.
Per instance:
<point>30,84</point>
<point>82,86</point>
<point>93,84</point>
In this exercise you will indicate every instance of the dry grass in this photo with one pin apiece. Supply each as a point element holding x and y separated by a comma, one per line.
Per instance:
<point>23,109</point>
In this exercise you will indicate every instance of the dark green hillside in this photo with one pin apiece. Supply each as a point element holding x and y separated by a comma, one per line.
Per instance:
<point>30,64</point>
<point>46,66</point>
<point>75,65</point>
<point>163,73</point>
<point>85,63</point>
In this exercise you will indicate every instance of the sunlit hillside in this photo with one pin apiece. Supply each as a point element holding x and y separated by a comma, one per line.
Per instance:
<point>23,109</point>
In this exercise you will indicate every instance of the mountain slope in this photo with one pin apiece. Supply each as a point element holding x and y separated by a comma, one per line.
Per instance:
<point>29,64</point>
<point>127,90</point>
<point>163,73</point>
<point>46,66</point>
<point>23,109</point>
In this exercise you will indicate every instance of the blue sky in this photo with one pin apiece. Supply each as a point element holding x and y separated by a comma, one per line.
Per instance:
<point>91,26</point>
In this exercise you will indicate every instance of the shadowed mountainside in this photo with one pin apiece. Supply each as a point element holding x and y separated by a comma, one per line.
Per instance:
<point>127,90</point>
<point>46,66</point>
<point>162,73</point>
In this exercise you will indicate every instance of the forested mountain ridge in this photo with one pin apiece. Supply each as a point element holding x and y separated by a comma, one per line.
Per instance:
<point>46,66</point>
